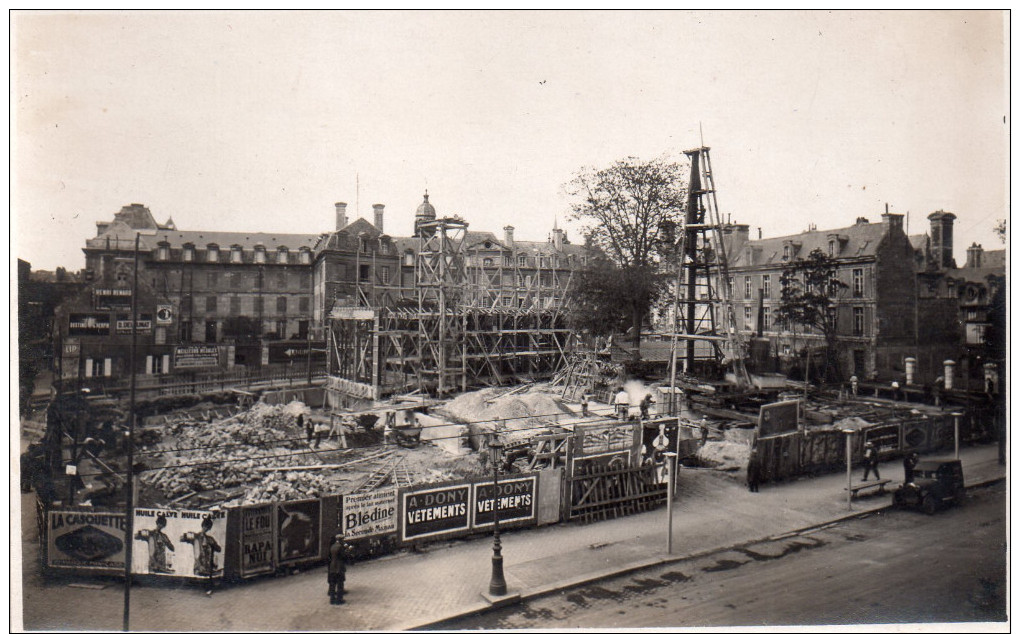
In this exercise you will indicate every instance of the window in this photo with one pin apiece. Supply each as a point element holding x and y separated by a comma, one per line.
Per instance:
<point>508,260</point>
<point>543,261</point>
<point>747,287</point>
<point>235,280</point>
<point>282,255</point>
<point>766,285</point>
<point>858,282</point>
<point>508,300</point>
<point>212,253</point>
<point>260,305</point>
<point>832,248</point>
<point>235,305</point>
<point>235,254</point>
<point>766,318</point>
<point>409,259</point>
<point>210,331</point>
<point>281,280</point>
<point>786,252</point>
<point>260,255</point>
<point>858,321</point>
<point>163,254</point>
<point>185,331</point>
<point>556,261</point>
<point>833,283</point>
<point>364,272</point>
<point>306,256</point>
<point>303,304</point>
<point>189,252</point>
<point>384,274</point>
<point>522,260</point>
<point>384,247</point>
<point>281,305</point>
<point>302,329</point>
<point>281,329</point>
<point>487,262</point>
<point>210,304</point>
<point>747,317</point>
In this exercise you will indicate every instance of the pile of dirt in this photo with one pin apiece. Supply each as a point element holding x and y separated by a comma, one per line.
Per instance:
<point>521,413</point>
<point>730,453</point>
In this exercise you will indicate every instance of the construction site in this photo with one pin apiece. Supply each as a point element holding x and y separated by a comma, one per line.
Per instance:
<point>432,390</point>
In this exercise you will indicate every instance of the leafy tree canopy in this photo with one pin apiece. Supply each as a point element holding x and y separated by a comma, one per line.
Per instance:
<point>810,290</point>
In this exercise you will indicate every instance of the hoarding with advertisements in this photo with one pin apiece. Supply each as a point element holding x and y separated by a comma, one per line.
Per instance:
<point>178,543</point>
<point>778,418</point>
<point>435,511</point>
<point>112,298</point>
<point>196,356</point>
<point>85,540</point>
<point>87,324</point>
<point>298,531</point>
<point>369,514</point>
<point>516,501</point>
<point>258,540</point>
<point>600,445</point>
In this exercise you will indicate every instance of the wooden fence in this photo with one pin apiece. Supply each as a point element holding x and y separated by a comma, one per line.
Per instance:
<point>605,493</point>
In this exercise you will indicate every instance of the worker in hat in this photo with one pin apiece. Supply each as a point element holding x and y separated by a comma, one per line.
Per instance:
<point>870,461</point>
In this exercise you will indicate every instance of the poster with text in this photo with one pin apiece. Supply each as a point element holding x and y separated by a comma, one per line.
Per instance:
<point>298,530</point>
<point>516,501</point>
<point>178,543</point>
<point>258,541</point>
<point>86,541</point>
<point>369,514</point>
<point>435,511</point>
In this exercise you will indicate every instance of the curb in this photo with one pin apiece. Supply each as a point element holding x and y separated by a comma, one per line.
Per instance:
<point>488,603</point>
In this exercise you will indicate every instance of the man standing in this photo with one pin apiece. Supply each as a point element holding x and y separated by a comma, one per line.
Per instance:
<point>584,404</point>
<point>337,571</point>
<point>870,461</point>
<point>753,470</point>
<point>909,462</point>
<point>622,404</point>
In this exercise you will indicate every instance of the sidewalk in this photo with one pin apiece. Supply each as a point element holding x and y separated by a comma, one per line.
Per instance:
<point>414,590</point>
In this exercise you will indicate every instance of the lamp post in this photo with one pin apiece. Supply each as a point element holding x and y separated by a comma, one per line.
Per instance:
<point>956,433</point>
<point>497,584</point>
<point>849,466</point>
<point>670,458</point>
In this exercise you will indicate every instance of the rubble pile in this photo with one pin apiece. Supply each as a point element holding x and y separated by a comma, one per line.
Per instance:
<point>277,486</point>
<point>522,414</point>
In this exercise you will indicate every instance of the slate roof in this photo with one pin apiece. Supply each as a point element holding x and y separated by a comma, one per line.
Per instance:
<point>862,240</point>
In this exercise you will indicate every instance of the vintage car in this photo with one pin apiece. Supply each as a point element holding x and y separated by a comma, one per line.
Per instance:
<point>935,484</point>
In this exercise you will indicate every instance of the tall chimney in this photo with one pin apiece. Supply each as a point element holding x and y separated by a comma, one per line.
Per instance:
<point>378,209</point>
<point>341,216</point>
<point>557,236</point>
<point>942,238</point>
<point>508,235</point>
<point>974,253</point>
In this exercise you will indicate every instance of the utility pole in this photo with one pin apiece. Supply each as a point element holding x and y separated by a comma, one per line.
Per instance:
<point>130,487</point>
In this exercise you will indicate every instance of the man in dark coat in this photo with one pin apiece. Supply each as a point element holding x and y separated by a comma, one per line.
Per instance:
<point>870,461</point>
<point>909,462</point>
<point>753,471</point>
<point>337,572</point>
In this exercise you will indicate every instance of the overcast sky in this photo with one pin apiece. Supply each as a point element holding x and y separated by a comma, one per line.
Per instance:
<point>261,121</point>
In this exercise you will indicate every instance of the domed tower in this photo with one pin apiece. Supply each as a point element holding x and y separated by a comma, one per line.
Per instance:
<point>425,213</point>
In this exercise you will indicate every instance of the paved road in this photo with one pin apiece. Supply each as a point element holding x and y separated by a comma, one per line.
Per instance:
<point>890,567</point>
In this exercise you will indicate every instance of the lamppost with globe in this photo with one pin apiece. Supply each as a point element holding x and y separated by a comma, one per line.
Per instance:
<point>497,583</point>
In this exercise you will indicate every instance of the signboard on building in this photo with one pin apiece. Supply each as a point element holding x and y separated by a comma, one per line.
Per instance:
<point>123,325</point>
<point>179,543</point>
<point>86,541</point>
<point>369,514</point>
<point>298,531</point>
<point>164,314</point>
<point>515,501</point>
<point>435,511</point>
<point>778,418</point>
<point>258,541</point>
<point>88,324</point>
<point>112,298</point>
<point>72,347</point>
<point>196,356</point>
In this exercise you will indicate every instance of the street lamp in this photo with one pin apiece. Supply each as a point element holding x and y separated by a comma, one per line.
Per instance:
<point>956,433</point>
<point>497,584</point>
<point>670,459</point>
<point>849,466</point>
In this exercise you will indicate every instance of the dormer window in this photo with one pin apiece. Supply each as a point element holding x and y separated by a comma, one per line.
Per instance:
<point>260,254</point>
<point>786,252</point>
<point>409,258</point>
<point>522,260</point>
<point>212,253</point>
<point>487,262</point>
<point>235,254</point>
<point>832,248</point>
<point>189,252</point>
<point>306,255</point>
<point>384,247</point>
<point>282,255</point>
<point>163,251</point>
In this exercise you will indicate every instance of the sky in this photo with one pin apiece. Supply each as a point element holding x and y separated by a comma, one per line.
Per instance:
<point>261,121</point>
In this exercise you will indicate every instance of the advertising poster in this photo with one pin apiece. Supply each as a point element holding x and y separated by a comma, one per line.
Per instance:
<point>86,541</point>
<point>199,356</point>
<point>515,498</point>
<point>86,324</point>
<point>258,540</point>
<point>369,514</point>
<point>436,511</point>
<point>657,439</point>
<point>298,530</point>
<point>178,543</point>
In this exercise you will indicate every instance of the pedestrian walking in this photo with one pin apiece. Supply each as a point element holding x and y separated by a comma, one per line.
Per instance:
<point>307,424</point>
<point>909,462</point>
<point>870,461</point>
<point>753,470</point>
<point>584,404</point>
<point>940,386</point>
<point>337,570</point>
<point>622,404</point>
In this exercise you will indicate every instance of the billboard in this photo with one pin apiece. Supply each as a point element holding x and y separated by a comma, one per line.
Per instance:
<point>435,511</point>
<point>112,298</point>
<point>88,324</point>
<point>515,498</point>
<point>369,514</point>
<point>178,543</point>
<point>298,531</point>
<point>258,540</point>
<point>778,418</point>
<point>196,356</point>
<point>86,540</point>
<point>611,445</point>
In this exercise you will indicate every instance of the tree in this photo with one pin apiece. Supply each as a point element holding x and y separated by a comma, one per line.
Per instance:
<point>628,209</point>
<point>604,296</point>
<point>810,291</point>
<point>1000,230</point>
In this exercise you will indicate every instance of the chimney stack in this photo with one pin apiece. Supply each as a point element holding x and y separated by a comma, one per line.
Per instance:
<point>508,233</point>
<point>378,209</point>
<point>974,256</point>
<point>895,221</point>
<point>557,238</point>
<point>341,216</point>
<point>942,238</point>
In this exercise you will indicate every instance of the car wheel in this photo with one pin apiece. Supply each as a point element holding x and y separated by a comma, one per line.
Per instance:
<point>928,505</point>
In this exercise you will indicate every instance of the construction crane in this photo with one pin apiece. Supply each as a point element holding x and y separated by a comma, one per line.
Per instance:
<point>703,314</point>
